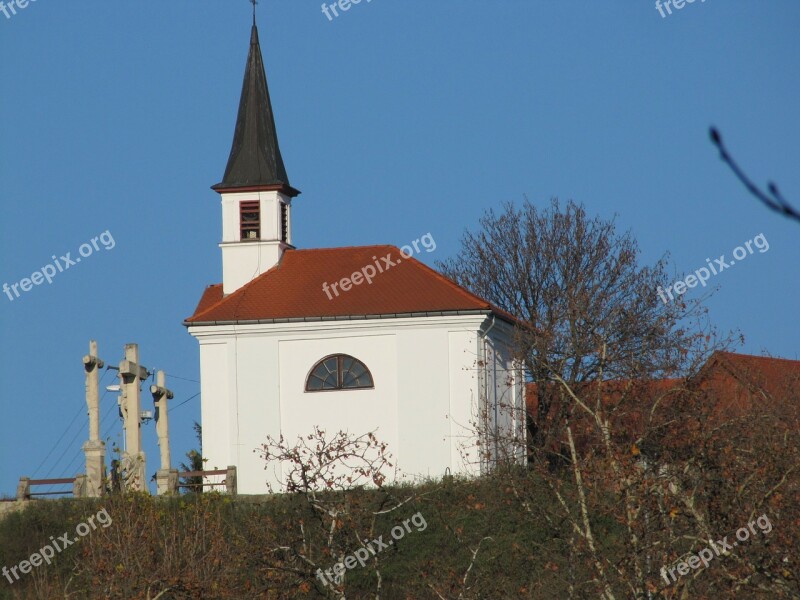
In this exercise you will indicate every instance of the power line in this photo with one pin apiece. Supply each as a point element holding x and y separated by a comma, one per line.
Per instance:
<point>74,459</point>
<point>66,430</point>
<point>72,441</point>
<point>75,437</point>
<point>184,402</point>
<point>108,410</point>
<point>81,429</point>
<point>78,454</point>
<point>170,375</point>
<point>111,427</point>
<point>44,460</point>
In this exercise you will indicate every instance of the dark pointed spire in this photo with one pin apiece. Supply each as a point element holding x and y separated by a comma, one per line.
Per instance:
<point>255,160</point>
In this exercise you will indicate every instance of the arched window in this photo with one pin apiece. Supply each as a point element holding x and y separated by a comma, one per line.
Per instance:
<point>339,372</point>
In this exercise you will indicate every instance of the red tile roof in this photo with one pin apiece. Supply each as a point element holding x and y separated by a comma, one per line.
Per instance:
<point>293,289</point>
<point>770,378</point>
<point>728,387</point>
<point>733,382</point>
<point>613,391</point>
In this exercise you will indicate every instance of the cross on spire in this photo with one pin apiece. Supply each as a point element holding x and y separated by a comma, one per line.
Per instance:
<point>254,2</point>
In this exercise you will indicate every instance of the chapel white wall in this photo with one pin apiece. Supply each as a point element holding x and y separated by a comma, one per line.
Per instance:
<point>424,405</point>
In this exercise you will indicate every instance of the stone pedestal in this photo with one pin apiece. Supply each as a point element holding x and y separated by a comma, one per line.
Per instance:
<point>79,486</point>
<point>95,468</point>
<point>167,482</point>
<point>133,472</point>
<point>24,488</point>
<point>230,481</point>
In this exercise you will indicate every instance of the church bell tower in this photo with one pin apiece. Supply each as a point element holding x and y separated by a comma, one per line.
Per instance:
<point>255,191</point>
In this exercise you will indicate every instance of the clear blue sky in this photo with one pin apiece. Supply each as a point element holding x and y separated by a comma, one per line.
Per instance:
<point>398,118</point>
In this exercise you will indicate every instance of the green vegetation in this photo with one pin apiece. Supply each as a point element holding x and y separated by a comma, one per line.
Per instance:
<point>212,546</point>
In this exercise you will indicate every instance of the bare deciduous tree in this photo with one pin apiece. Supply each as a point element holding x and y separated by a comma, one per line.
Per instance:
<point>585,305</point>
<point>324,469</point>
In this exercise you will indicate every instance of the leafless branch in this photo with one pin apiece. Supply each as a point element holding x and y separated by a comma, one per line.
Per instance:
<point>773,200</point>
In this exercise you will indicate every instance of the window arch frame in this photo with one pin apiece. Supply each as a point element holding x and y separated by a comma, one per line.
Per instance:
<point>340,356</point>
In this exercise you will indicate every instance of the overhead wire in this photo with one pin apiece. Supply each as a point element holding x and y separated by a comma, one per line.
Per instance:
<point>81,409</point>
<point>170,375</point>
<point>58,441</point>
<point>184,402</point>
<point>81,429</point>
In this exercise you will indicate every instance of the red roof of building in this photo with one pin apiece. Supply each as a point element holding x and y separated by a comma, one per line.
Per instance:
<point>733,381</point>
<point>770,378</point>
<point>613,391</point>
<point>728,387</point>
<point>293,289</point>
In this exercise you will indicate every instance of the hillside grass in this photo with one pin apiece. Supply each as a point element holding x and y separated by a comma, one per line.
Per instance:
<point>212,546</point>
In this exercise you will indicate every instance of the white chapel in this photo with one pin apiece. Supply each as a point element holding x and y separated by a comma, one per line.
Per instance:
<point>408,355</point>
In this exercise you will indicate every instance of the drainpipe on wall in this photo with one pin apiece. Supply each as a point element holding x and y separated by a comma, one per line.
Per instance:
<point>486,382</point>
